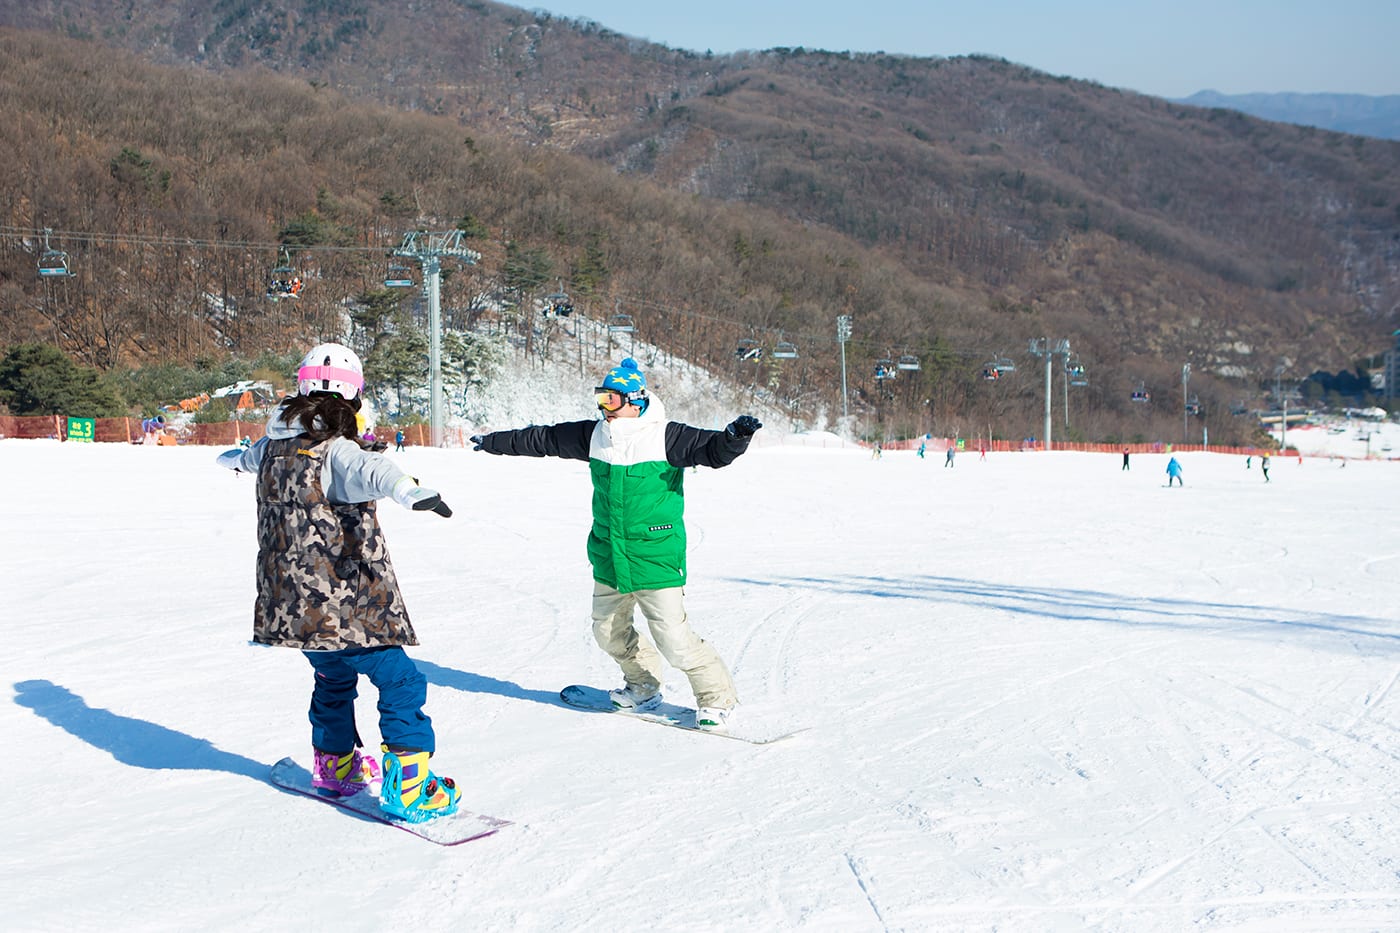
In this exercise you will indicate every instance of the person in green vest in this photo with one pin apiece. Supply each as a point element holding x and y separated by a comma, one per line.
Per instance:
<point>637,459</point>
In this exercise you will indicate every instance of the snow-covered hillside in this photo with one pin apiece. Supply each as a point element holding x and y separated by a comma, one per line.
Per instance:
<point>557,385</point>
<point>1349,438</point>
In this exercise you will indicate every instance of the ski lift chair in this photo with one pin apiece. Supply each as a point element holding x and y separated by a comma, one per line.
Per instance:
<point>621,324</point>
<point>283,281</point>
<point>1004,364</point>
<point>908,362</point>
<point>559,305</point>
<point>885,369</point>
<point>990,372</point>
<point>398,277</point>
<point>748,349</point>
<point>53,263</point>
<point>1140,394</point>
<point>785,350</point>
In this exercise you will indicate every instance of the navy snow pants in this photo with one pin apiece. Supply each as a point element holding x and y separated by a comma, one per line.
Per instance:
<point>402,692</point>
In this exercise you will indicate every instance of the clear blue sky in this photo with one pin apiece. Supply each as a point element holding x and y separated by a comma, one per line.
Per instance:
<point>1169,48</point>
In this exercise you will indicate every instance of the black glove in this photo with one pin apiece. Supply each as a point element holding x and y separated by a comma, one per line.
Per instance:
<point>743,426</point>
<point>476,440</point>
<point>410,495</point>
<point>435,503</point>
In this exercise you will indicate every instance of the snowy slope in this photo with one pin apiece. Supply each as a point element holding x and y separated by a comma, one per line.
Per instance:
<point>1348,438</point>
<point>1047,695</point>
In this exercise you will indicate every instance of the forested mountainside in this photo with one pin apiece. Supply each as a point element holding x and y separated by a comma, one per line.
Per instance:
<point>975,203</point>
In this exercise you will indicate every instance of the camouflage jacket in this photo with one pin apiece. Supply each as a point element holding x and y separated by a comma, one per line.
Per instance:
<point>325,582</point>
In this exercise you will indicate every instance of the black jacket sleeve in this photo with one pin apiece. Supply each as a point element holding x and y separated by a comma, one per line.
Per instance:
<point>569,440</point>
<point>687,446</point>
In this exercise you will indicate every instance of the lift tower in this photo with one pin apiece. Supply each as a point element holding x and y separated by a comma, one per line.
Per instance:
<point>1048,349</point>
<point>428,250</point>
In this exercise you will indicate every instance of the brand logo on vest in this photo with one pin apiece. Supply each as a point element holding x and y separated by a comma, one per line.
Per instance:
<point>660,528</point>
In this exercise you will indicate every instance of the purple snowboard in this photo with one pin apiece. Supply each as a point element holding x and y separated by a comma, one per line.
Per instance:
<point>462,826</point>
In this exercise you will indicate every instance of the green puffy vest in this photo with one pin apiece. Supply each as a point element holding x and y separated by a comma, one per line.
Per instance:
<point>638,537</point>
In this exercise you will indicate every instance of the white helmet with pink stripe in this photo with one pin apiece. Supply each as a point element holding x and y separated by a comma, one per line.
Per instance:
<point>331,368</point>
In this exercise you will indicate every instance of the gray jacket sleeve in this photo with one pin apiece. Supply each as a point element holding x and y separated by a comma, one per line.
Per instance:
<point>244,460</point>
<point>353,474</point>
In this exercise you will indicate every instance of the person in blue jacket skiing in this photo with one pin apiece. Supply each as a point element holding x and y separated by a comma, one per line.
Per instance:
<point>326,586</point>
<point>1174,473</point>
<point>637,460</point>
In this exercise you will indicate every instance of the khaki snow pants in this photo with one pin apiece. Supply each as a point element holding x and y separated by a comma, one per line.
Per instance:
<point>637,656</point>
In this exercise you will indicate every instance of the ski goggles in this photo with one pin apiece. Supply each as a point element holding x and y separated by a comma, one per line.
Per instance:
<point>608,400</point>
<point>611,400</point>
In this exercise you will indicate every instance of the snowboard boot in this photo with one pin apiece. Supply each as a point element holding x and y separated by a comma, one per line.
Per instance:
<point>343,775</point>
<point>634,699</point>
<point>411,792</point>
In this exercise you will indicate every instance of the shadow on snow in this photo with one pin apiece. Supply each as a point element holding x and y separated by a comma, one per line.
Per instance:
<point>1091,605</point>
<point>480,683</point>
<point>143,744</point>
<point>134,742</point>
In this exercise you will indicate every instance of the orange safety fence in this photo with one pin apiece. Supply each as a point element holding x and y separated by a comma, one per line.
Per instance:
<point>972,446</point>
<point>227,434</point>
<point>218,434</point>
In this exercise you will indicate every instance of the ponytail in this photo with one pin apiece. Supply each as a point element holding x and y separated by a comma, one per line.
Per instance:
<point>323,416</point>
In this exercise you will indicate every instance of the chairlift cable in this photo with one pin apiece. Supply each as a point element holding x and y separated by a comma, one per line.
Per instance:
<point>92,238</point>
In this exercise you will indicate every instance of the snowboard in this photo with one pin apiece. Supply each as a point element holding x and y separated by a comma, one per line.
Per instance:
<point>462,826</point>
<point>668,714</point>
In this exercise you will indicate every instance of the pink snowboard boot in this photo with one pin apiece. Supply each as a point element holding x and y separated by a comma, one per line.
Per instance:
<point>344,775</point>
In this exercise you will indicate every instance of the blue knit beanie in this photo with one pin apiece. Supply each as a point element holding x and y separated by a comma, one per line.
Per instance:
<point>626,378</point>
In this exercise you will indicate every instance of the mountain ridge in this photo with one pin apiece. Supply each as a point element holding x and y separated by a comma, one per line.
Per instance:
<point>1377,116</point>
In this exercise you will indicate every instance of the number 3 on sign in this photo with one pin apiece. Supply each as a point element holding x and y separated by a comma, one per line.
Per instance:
<point>82,429</point>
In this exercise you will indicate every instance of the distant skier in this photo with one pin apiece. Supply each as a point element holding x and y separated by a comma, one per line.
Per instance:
<point>948,457</point>
<point>1174,473</point>
<point>1264,465</point>
<point>398,440</point>
<point>1125,460</point>
<point>326,586</point>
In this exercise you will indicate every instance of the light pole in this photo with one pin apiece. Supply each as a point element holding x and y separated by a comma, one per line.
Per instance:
<point>427,249</point>
<point>1185,411</point>
<point>1283,400</point>
<point>843,333</point>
